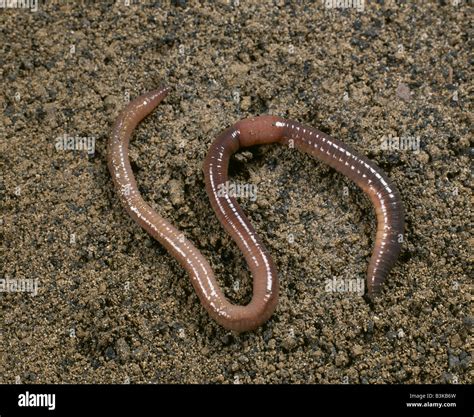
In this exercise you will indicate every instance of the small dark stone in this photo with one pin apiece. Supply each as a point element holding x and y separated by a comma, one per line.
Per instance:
<point>391,335</point>
<point>453,362</point>
<point>110,353</point>
<point>357,24</point>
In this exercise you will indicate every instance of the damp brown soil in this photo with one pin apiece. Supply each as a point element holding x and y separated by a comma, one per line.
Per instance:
<point>112,306</point>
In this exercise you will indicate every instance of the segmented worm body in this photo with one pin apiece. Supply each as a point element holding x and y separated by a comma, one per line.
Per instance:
<point>248,132</point>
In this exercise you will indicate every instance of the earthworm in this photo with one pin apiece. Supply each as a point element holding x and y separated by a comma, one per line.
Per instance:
<point>248,132</point>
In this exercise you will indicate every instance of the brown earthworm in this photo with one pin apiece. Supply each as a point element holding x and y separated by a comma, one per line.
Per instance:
<point>248,132</point>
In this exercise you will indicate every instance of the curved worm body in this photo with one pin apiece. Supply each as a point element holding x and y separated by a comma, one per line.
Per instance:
<point>248,132</point>
<point>233,317</point>
<point>371,179</point>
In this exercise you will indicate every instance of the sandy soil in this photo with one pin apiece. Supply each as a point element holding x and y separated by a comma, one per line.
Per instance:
<point>113,307</point>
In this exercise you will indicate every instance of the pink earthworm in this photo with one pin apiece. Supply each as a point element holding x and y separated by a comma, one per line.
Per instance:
<point>248,132</point>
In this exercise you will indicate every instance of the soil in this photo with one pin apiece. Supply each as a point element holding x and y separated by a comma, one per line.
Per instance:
<point>113,307</point>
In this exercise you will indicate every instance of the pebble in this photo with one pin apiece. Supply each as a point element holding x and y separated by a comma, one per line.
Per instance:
<point>357,350</point>
<point>456,341</point>
<point>122,349</point>
<point>176,190</point>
